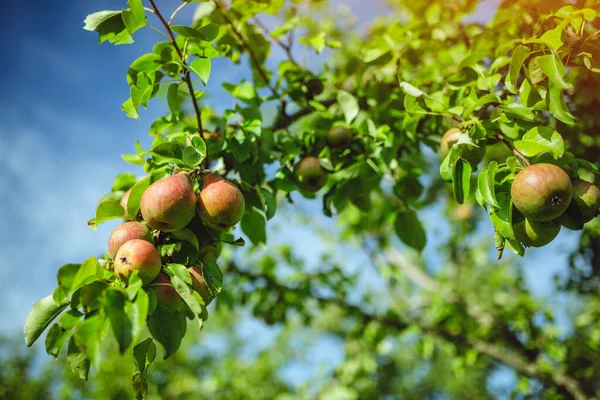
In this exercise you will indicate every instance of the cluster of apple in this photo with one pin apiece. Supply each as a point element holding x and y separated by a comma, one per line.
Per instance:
<point>167,207</point>
<point>546,199</point>
<point>309,173</point>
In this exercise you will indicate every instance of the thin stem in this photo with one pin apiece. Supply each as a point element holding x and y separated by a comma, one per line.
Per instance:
<point>286,47</point>
<point>149,10</point>
<point>186,73</point>
<point>157,31</point>
<point>515,151</point>
<point>252,54</point>
<point>176,11</point>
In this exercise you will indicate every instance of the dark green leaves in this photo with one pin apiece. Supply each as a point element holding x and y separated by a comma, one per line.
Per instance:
<point>78,359</point>
<point>59,332</point>
<point>44,311</point>
<point>114,307</point>
<point>410,230</point>
<point>486,184</point>
<point>461,180</point>
<point>254,225</point>
<point>167,328</point>
<point>143,354</point>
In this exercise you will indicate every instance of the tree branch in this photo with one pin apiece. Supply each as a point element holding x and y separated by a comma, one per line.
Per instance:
<point>286,47</point>
<point>515,151</point>
<point>252,54</point>
<point>186,74</point>
<point>556,378</point>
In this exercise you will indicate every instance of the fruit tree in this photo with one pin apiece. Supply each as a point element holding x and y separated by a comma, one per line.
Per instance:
<point>497,121</point>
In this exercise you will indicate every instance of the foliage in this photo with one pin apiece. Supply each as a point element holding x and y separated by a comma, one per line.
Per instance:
<point>525,90</point>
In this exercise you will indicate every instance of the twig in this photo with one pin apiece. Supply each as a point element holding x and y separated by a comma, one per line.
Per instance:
<point>186,73</point>
<point>286,47</point>
<point>252,54</point>
<point>185,3</point>
<point>555,378</point>
<point>515,151</point>
<point>157,31</point>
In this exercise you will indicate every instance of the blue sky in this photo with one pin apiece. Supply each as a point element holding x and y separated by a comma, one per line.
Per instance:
<point>62,133</point>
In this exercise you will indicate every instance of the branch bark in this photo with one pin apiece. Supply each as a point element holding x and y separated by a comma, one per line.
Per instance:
<point>556,378</point>
<point>186,75</point>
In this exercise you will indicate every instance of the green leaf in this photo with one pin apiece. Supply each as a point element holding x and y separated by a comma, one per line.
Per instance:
<point>106,211</point>
<point>557,106</point>
<point>191,298</point>
<point>123,182</point>
<point>554,69</point>
<point>348,104</point>
<point>114,307</point>
<point>410,230</point>
<point>502,216</point>
<point>166,327</point>
<point>541,139</point>
<point>461,180</point>
<point>187,32</point>
<point>411,90</point>
<point>87,273</point>
<point>192,156</point>
<point>147,63</point>
<point>167,152</point>
<point>213,276</point>
<point>59,332</point>
<point>201,66</point>
<point>88,336</point>
<point>486,184</point>
<point>254,226</point>
<point>318,41</point>
<point>78,359</point>
<point>65,277</point>
<point>144,354</point>
<point>135,196</point>
<point>109,25</point>
<point>44,311</point>
<point>174,100</point>
<point>135,17</point>
<point>210,31</point>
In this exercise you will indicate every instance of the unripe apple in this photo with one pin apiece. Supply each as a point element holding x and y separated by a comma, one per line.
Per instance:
<point>309,174</point>
<point>541,192</point>
<point>536,233</point>
<point>472,154</point>
<point>339,137</point>
<point>199,285</point>
<point>221,204</point>
<point>137,255</point>
<point>126,232</point>
<point>166,295</point>
<point>169,204</point>
<point>586,197</point>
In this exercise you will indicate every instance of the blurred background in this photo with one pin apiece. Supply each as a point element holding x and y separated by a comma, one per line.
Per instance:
<point>62,132</point>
